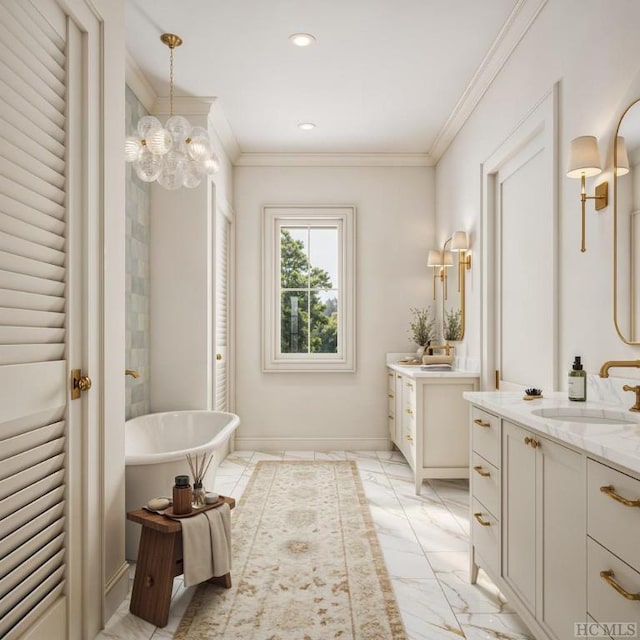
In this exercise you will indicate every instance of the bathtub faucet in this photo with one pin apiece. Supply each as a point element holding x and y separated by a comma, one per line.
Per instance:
<point>131,372</point>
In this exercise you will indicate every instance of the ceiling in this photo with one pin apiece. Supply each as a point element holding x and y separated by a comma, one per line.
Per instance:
<point>384,76</point>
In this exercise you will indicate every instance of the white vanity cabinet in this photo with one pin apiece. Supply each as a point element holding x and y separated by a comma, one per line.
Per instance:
<point>429,421</point>
<point>555,526</point>
<point>485,491</point>
<point>543,528</point>
<point>613,545</point>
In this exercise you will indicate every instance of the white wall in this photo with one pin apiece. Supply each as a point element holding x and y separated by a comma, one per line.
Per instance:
<point>591,47</point>
<point>394,229</point>
<point>181,354</point>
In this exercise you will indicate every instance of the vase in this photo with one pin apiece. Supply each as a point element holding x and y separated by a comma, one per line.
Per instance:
<point>420,352</point>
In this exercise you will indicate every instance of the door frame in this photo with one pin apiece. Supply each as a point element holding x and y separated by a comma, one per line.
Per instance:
<point>541,119</point>
<point>101,582</point>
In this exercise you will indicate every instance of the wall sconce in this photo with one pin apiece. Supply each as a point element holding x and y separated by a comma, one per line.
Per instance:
<point>460,243</point>
<point>439,265</point>
<point>584,162</point>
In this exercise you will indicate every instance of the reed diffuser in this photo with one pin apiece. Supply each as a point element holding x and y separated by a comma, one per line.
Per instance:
<point>199,468</point>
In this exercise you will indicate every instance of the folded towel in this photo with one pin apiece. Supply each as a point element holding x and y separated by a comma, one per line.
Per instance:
<point>196,549</point>
<point>436,367</point>
<point>206,545</point>
<point>220,528</point>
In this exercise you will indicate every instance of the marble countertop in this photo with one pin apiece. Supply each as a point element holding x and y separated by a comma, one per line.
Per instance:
<point>414,371</point>
<point>617,443</point>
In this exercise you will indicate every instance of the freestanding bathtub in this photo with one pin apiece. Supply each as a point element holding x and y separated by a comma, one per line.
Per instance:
<point>156,446</point>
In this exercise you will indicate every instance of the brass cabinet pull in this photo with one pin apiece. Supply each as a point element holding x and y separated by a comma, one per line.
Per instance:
<point>390,417</point>
<point>479,422</point>
<point>607,576</point>
<point>409,385</point>
<point>478,517</point>
<point>610,491</point>
<point>480,471</point>
<point>410,412</point>
<point>390,375</point>
<point>408,437</point>
<point>532,442</point>
<point>391,395</point>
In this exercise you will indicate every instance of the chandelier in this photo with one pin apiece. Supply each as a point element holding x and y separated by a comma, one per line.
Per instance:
<point>176,155</point>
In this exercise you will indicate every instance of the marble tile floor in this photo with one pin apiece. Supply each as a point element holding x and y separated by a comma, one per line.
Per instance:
<point>424,540</point>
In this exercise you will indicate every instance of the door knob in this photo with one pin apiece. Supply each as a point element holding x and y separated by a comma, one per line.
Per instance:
<point>79,383</point>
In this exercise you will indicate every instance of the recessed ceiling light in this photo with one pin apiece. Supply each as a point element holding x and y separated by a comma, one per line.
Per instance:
<point>307,126</point>
<point>302,39</point>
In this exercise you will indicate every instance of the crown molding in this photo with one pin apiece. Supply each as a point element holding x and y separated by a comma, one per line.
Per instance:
<point>184,105</point>
<point>220,125</point>
<point>138,83</point>
<point>513,31</point>
<point>334,160</point>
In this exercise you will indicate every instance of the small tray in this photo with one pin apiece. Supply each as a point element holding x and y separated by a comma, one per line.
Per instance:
<point>532,397</point>
<point>194,512</point>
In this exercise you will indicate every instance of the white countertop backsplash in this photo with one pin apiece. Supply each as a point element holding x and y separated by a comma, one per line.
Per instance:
<point>617,443</point>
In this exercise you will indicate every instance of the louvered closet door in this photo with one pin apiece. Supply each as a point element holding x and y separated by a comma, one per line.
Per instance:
<point>222,312</point>
<point>34,273</point>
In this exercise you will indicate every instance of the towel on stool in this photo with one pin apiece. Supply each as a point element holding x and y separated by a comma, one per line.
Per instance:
<point>220,527</point>
<point>206,545</point>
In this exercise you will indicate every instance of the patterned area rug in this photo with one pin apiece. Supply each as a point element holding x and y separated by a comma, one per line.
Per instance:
<point>306,563</point>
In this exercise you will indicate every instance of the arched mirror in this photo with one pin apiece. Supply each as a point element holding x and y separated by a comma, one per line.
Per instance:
<point>626,226</point>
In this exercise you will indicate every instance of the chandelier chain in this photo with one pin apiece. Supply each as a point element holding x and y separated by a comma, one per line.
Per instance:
<point>170,81</point>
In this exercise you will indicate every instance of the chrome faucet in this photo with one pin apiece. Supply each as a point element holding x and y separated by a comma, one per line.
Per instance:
<point>604,373</point>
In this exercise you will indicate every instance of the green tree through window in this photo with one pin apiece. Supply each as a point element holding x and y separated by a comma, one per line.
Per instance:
<point>309,301</point>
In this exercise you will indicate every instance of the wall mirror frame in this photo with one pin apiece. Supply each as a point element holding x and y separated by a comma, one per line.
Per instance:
<point>453,299</point>
<point>626,225</point>
<point>450,264</point>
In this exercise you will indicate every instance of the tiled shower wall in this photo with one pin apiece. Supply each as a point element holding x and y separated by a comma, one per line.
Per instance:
<point>137,276</point>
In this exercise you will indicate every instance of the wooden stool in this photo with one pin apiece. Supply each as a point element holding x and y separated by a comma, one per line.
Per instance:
<point>159,562</point>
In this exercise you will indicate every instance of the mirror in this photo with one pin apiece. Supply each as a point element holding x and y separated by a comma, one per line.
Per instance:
<point>626,226</point>
<point>453,301</point>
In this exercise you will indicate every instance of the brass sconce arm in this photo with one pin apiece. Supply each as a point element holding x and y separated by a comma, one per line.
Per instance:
<point>584,161</point>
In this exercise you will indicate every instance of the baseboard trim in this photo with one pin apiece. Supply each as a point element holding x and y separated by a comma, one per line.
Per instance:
<point>116,590</point>
<point>284,443</point>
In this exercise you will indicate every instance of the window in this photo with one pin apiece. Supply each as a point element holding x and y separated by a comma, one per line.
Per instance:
<point>308,288</point>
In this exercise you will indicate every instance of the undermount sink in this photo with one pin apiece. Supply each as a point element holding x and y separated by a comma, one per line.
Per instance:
<point>589,416</point>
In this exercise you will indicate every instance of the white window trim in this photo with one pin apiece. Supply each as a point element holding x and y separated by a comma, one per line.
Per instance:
<point>273,218</point>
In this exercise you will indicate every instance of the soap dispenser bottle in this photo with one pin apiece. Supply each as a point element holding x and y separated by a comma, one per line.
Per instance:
<point>577,381</point>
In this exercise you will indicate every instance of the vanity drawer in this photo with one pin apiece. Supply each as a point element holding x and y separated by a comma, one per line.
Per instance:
<point>614,524</point>
<point>485,537</point>
<point>485,435</point>
<point>409,393</point>
<point>604,602</point>
<point>485,483</point>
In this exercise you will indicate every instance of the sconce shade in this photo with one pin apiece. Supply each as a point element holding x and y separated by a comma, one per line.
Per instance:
<point>435,258</point>
<point>459,241</point>
<point>584,157</point>
<point>622,158</point>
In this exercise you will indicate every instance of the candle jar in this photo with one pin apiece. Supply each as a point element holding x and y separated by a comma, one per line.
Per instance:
<point>182,496</point>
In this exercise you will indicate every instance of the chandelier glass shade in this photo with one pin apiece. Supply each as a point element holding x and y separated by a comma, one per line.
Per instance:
<point>176,154</point>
